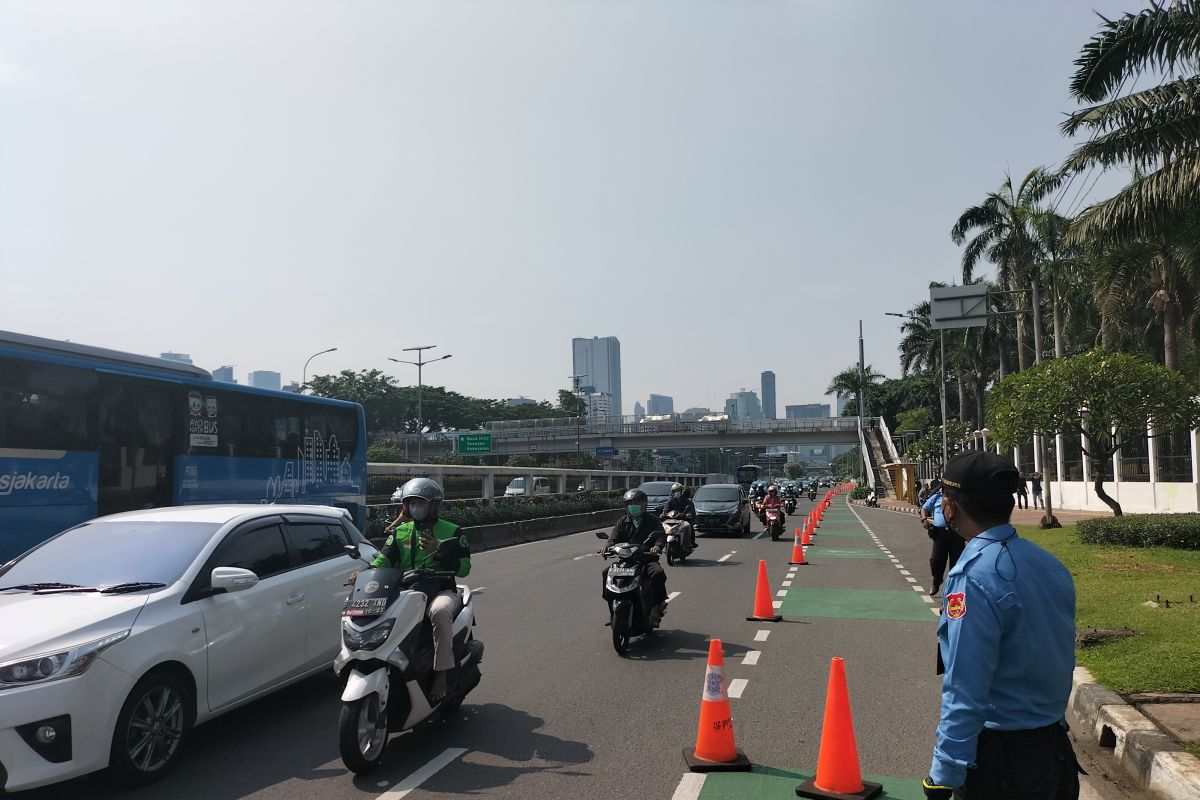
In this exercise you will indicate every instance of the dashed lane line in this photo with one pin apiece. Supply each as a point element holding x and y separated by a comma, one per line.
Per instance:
<point>911,580</point>
<point>736,687</point>
<point>918,588</point>
<point>929,599</point>
<point>777,604</point>
<point>786,584</point>
<point>751,658</point>
<point>781,593</point>
<point>413,782</point>
<point>761,636</point>
<point>903,571</point>
<point>690,786</point>
<point>673,595</point>
<point>726,557</point>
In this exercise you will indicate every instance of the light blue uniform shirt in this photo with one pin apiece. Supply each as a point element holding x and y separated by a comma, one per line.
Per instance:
<point>1007,639</point>
<point>934,506</point>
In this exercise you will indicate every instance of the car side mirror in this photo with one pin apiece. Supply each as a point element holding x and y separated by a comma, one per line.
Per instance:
<point>601,535</point>
<point>232,579</point>
<point>352,551</point>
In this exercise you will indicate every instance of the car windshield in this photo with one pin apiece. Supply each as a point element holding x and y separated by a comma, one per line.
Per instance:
<point>517,483</point>
<point>106,553</point>
<point>717,494</point>
<point>656,488</point>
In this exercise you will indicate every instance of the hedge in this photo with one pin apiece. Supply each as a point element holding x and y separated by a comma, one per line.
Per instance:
<point>469,513</point>
<point>1180,531</point>
<point>859,492</point>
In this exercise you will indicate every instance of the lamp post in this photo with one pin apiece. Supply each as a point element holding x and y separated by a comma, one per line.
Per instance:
<point>304,382</point>
<point>419,363</point>
<point>942,340</point>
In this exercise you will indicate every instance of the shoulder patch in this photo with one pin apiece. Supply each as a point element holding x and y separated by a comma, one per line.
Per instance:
<point>390,539</point>
<point>956,605</point>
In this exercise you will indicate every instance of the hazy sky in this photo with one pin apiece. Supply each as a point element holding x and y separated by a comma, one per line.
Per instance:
<point>725,186</point>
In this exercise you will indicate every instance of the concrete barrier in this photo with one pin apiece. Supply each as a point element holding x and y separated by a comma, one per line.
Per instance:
<point>506,534</point>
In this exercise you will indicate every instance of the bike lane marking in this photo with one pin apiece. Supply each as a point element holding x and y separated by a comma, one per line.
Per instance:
<point>673,595</point>
<point>736,687</point>
<point>761,636</point>
<point>413,782</point>
<point>751,658</point>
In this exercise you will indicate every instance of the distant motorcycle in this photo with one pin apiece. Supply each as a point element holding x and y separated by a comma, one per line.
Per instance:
<point>774,523</point>
<point>812,495</point>
<point>789,504</point>
<point>872,501</point>
<point>680,537</point>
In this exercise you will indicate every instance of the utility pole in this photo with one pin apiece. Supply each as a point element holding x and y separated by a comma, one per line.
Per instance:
<point>419,363</point>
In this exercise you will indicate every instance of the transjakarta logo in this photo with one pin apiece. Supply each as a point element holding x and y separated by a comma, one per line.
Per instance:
<point>27,481</point>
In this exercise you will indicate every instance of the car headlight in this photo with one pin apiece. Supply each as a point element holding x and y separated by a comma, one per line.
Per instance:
<point>55,666</point>
<point>368,639</point>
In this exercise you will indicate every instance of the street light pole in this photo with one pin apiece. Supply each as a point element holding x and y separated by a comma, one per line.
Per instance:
<point>419,363</point>
<point>945,456</point>
<point>304,382</point>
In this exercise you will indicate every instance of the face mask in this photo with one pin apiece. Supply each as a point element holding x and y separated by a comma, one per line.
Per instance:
<point>418,513</point>
<point>634,511</point>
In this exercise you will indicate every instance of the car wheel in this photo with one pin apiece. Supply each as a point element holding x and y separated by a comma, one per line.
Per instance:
<point>155,720</point>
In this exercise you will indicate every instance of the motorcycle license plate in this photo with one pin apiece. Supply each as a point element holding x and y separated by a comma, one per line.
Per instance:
<point>365,607</point>
<point>622,572</point>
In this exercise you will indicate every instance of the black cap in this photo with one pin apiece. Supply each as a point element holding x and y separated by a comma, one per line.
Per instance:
<point>979,472</point>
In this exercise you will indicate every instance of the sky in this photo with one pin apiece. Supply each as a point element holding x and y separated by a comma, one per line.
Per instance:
<point>727,187</point>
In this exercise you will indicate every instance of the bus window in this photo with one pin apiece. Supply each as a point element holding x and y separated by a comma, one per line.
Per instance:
<point>136,445</point>
<point>44,406</point>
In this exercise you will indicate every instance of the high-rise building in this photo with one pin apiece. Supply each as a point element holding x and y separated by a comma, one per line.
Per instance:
<point>768,394</point>
<point>265,379</point>
<point>598,404</point>
<point>639,412</point>
<point>182,358</point>
<point>292,387</point>
<point>842,400</point>
<point>224,375</point>
<point>597,363</point>
<point>513,402</point>
<point>694,413</point>
<point>808,411</point>
<point>731,408</point>
<point>745,405</point>
<point>660,404</point>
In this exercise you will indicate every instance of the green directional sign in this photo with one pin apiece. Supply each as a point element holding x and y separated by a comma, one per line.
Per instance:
<point>474,443</point>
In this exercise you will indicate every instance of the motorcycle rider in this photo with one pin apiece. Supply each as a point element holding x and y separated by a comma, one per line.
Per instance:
<point>681,501</point>
<point>639,526</point>
<point>772,501</point>
<point>418,539</point>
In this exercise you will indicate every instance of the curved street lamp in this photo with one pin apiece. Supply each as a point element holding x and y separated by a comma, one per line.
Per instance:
<point>419,363</point>
<point>304,382</point>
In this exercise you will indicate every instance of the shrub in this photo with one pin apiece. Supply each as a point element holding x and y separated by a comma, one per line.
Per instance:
<point>471,513</point>
<point>1180,531</point>
<point>860,492</point>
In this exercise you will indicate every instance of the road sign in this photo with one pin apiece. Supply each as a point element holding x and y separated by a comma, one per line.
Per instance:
<point>474,443</point>
<point>958,306</point>
<point>605,452</point>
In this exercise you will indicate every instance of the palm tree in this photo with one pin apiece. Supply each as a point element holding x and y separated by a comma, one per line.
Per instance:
<point>848,382</point>
<point>1156,131</point>
<point>919,344</point>
<point>1003,222</point>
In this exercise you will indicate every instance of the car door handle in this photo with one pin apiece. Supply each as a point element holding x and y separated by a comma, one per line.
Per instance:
<point>296,598</point>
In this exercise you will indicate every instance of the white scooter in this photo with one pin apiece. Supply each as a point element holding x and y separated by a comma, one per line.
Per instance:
<point>386,659</point>
<point>680,537</point>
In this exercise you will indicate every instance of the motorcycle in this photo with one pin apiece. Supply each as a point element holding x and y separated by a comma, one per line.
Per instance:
<point>386,660</point>
<point>789,504</point>
<point>774,523</point>
<point>626,593</point>
<point>872,501</point>
<point>812,495</point>
<point>679,537</point>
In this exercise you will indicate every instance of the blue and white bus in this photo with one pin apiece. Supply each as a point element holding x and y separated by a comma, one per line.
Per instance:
<point>86,431</point>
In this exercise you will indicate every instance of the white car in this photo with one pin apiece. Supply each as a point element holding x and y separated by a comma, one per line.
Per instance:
<point>516,487</point>
<point>120,634</point>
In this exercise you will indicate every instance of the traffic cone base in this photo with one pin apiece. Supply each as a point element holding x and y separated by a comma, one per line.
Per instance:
<point>739,764</point>
<point>809,789</point>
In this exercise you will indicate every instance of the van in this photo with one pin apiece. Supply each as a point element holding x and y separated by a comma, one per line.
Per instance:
<point>516,487</point>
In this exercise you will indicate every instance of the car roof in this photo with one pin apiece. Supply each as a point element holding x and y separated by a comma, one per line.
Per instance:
<point>220,514</point>
<point>719,486</point>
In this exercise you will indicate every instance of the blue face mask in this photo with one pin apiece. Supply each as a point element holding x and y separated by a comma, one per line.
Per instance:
<point>418,513</point>
<point>634,511</point>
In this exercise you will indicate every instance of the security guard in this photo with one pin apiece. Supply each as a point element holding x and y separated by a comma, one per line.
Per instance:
<point>1007,638</point>
<point>947,546</point>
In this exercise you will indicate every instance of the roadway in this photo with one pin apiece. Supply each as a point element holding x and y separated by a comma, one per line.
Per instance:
<point>559,714</point>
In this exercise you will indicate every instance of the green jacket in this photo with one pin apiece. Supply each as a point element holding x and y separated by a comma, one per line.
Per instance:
<point>402,550</point>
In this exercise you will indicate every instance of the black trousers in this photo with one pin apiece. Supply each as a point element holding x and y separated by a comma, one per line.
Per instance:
<point>1022,500</point>
<point>947,547</point>
<point>1037,764</point>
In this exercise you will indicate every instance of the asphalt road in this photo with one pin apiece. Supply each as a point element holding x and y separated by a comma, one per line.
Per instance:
<point>558,714</point>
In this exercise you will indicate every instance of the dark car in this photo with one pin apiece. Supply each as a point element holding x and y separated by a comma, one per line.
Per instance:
<point>722,508</point>
<point>658,493</point>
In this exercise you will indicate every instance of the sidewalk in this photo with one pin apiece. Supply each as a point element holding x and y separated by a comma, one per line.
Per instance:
<point>1020,516</point>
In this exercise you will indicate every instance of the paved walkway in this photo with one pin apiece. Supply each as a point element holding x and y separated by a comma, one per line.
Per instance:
<point>1020,516</point>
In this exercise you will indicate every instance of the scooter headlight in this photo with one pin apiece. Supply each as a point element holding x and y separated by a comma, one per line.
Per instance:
<point>370,638</point>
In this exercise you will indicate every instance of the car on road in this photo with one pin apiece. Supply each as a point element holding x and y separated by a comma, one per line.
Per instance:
<point>657,494</point>
<point>516,487</point>
<point>122,633</point>
<point>722,508</point>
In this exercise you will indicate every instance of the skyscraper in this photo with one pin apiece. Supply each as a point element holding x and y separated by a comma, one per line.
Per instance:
<point>264,379</point>
<point>842,400</point>
<point>768,394</point>
<point>639,412</point>
<point>224,375</point>
<point>808,411</point>
<point>597,363</point>
<point>660,404</point>
<point>744,405</point>
<point>182,358</point>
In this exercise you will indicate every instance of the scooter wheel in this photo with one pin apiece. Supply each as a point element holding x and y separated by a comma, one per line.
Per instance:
<point>362,733</point>
<point>670,557</point>
<point>620,632</point>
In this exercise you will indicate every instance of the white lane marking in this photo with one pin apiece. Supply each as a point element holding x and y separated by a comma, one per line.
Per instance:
<point>751,658</point>
<point>543,541</point>
<point>786,584</point>
<point>894,560</point>
<point>929,599</point>
<point>937,612</point>
<point>777,604</point>
<point>918,588</point>
<point>911,580</point>
<point>690,786</point>
<point>736,687</point>
<point>781,593</point>
<point>725,557</point>
<point>761,636</point>
<point>903,571</point>
<point>764,533</point>
<point>585,555</point>
<point>414,781</point>
<point>673,595</point>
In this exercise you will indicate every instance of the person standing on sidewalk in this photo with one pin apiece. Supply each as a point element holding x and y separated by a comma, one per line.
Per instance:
<point>946,546</point>
<point>1007,639</point>
<point>1035,480</point>
<point>1022,492</point>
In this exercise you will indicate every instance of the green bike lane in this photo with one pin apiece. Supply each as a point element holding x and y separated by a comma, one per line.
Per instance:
<point>857,598</point>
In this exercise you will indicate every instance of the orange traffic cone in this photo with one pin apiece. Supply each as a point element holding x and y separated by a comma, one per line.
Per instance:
<point>798,550</point>
<point>715,750</point>
<point>764,610</point>
<point>838,774</point>
<point>806,538</point>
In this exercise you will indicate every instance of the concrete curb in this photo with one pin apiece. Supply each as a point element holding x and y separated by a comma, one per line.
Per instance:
<point>1149,756</point>
<point>913,511</point>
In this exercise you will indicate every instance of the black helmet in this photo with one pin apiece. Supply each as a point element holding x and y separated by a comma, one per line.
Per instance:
<point>635,497</point>
<point>423,489</point>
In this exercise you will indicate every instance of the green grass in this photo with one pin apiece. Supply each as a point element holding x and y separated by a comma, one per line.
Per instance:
<point>1193,748</point>
<point>1111,584</point>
